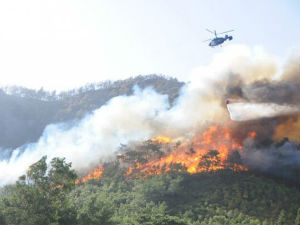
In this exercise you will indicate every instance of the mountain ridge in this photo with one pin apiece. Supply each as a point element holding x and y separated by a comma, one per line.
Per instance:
<point>23,110</point>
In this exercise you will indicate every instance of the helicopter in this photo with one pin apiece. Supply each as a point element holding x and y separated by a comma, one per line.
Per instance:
<point>218,40</point>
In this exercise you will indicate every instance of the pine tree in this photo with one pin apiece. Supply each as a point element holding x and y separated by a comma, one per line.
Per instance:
<point>297,220</point>
<point>281,218</point>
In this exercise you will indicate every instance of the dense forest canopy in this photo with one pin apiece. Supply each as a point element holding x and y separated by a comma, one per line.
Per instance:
<point>49,196</point>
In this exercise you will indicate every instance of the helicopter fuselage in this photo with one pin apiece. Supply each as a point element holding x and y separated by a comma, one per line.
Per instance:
<point>216,41</point>
<point>219,40</point>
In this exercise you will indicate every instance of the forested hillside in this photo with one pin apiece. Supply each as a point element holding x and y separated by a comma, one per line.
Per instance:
<point>225,172</point>
<point>220,197</point>
<point>24,113</point>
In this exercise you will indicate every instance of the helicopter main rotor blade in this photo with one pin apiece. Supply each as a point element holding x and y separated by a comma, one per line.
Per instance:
<point>226,32</point>
<point>207,40</point>
<point>210,31</point>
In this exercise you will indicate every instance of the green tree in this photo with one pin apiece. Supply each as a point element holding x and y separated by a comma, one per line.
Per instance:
<point>40,197</point>
<point>220,220</point>
<point>96,209</point>
<point>281,218</point>
<point>61,175</point>
<point>297,220</point>
<point>92,205</point>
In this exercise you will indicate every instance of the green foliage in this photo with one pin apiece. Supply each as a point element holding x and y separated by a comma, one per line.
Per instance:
<point>297,220</point>
<point>142,212</point>
<point>37,171</point>
<point>48,196</point>
<point>281,218</point>
<point>61,175</point>
<point>40,197</point>
<point>92,205</point>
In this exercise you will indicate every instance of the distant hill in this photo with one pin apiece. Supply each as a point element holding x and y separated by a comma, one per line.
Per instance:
<point>24,113</point>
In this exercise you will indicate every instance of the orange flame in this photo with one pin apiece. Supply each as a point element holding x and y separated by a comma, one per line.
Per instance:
<point>208,152</point>
<point>252,134</point>
<point>161,139</point>
<point>93,175</point>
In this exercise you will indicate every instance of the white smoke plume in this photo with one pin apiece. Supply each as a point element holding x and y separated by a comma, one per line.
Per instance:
<point>143,115</point>
<point>97,136</point>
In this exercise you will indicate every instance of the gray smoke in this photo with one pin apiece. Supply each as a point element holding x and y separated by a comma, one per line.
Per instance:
<point>284,90</point>
<point>280,92</point>
<point>281,161</point>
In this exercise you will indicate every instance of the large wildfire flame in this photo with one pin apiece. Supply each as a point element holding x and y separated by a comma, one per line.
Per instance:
<point>206,152</point>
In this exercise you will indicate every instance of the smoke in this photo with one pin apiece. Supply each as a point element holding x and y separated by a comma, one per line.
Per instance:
<point>288,127</point>
<point>281,161</point>
<point>267,96</point>
<point>237,71</point>
<point>279,92</point>
<point>97,136</point>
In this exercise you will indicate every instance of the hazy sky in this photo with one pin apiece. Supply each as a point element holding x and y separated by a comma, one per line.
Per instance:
<point>67,43</point>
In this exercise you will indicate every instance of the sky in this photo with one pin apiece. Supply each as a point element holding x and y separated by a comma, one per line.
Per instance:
<point>64,44</point>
